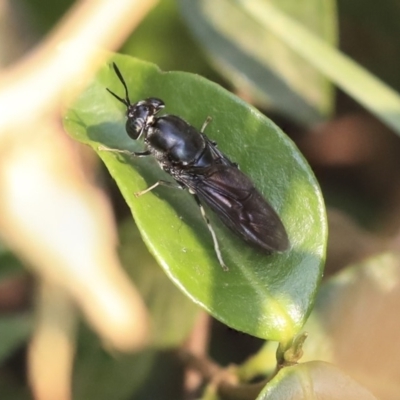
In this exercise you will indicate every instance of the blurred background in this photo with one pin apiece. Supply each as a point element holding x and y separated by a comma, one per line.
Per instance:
<point>354,155</point>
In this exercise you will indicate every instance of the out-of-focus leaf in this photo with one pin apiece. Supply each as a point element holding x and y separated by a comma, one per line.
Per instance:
<point>9,264</point>
<point>356,81</point>
<point>314,380</point>
<point>375,23</point>
<point>46,13</point>
<point>101,375</point>
<point>163,38</point>
<point>268,296</point>
<point>12,390</point>
<point>14,331</point>
<point>251,55</point>
<point>353,326</point>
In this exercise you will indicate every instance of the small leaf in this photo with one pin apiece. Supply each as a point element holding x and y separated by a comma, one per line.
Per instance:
<point>314,380</point>
<point>266,296</point>
<point>354,323</point>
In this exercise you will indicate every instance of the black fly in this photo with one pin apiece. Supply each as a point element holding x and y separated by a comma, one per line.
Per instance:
<point>196,164</point>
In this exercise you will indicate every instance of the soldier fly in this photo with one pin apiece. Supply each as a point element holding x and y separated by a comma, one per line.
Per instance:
<point>196,164</point>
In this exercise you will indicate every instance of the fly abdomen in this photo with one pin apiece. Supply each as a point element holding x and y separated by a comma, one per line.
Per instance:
<point>241,207</point>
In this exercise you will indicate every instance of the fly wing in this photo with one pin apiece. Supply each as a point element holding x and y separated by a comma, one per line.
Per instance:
<point>233,197</point>
<point>217,155</point>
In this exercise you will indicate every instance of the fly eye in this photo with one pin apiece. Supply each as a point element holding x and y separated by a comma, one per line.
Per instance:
<point>134,127</point>
<point>156,104</point>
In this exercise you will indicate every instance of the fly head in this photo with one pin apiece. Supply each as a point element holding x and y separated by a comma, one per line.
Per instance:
<point>139,115</point>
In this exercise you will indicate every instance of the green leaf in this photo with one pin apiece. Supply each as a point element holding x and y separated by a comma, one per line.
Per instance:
<point>164,21</point>
<point>172,313</point>
<point>352,326</point>
<point>102,376</point>
<point>12,389</point>
<point>375,23</point>
<point>251,55</point>
<point>268,296</point>
<point>9,264</point>
<point>356,81</point>
<point>354,323</point>
<point>314,380</point>
<point>14,331</point>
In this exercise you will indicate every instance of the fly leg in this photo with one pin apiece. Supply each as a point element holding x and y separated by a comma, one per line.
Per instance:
<point>205,123</point>
<point>158,183</point>
<point>203,128</point>
<point>214,236</point>
<point>127,152</point>
<point>213,144</point>
<point>141,154</point>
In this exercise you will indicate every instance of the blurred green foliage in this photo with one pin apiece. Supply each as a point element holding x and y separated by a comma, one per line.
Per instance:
<point>368,32</point>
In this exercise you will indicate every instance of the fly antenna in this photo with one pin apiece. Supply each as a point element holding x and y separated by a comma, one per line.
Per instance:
<point>126,100</point>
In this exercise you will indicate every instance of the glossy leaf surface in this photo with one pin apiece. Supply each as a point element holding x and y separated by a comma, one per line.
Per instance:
<point>268,296</point>
<point>172,313</point>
